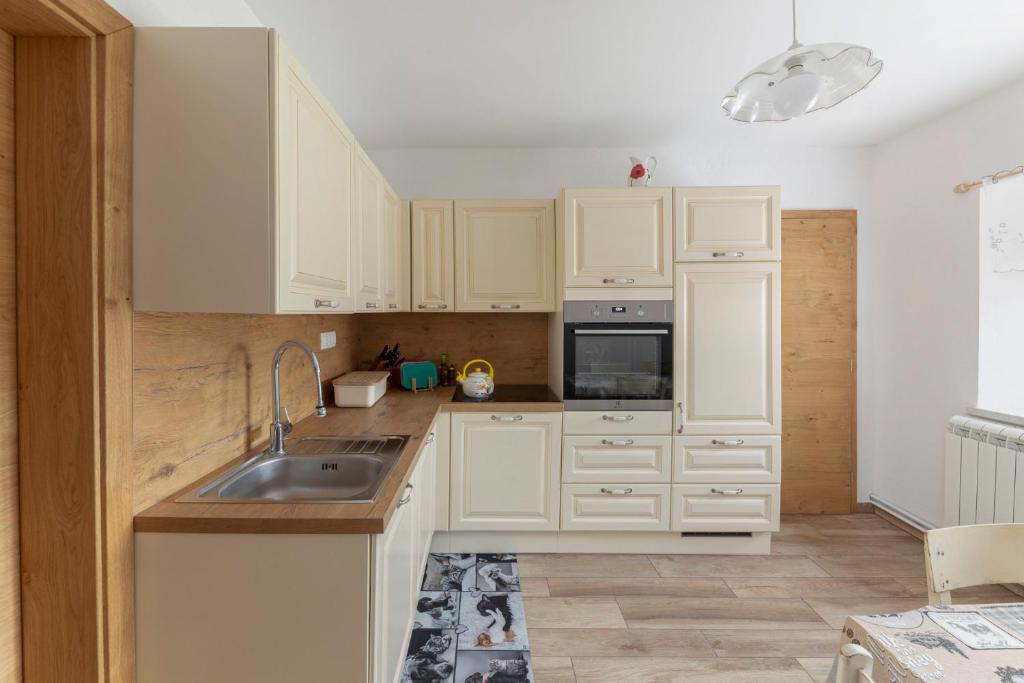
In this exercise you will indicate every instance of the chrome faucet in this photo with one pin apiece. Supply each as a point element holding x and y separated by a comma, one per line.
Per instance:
<point>279,429</point>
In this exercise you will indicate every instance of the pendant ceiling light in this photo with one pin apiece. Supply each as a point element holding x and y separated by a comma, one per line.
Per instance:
<point>802,79</point>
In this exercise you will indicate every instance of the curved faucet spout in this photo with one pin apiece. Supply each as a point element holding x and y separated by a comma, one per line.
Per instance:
<point>279,429</point>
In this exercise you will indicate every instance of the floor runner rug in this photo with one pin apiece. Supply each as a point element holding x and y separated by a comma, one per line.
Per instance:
<point>469,624</point>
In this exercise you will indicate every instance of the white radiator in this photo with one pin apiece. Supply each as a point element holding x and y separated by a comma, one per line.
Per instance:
<point>984,472</point>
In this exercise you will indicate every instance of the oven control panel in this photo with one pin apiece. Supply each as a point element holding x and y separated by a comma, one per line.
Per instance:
<point>618,311</point>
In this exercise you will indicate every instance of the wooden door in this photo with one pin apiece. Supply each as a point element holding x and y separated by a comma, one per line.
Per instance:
<point>505,471</point>
<point>726,356</point>
<point>819,331</point>
<point>314,197</point>
<point>433,255</point>
<point>505,255</point>
<point>728,223</point>
<point>618,237</point>
<point>369,208</point>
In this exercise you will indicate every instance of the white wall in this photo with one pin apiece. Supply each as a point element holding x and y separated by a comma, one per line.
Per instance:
<point>920,289</point>
<point>811,178</point>
<point>186,12</point>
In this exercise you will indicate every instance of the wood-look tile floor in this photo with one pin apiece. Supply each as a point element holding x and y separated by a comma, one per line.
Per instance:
<point>702,618</point>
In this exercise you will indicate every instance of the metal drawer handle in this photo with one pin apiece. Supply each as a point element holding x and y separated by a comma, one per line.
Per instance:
<point>728,442</point>
<point>507,418</point>
<point>431,438</point>
<point>624,442</point>
<point>505,307</point>
<point>681,415</point>
<point>727,254</point>
<point>617,492</point>
<point>407,497</point>
<point>618,281</point>
<point>392,305</point>
<point>617,418</point>
<point>371,304</point>
<point>432,306</point>
<point>325,303</point>
<point>727,492</point>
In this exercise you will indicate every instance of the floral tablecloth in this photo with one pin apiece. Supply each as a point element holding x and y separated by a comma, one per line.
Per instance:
<point>968,643</point>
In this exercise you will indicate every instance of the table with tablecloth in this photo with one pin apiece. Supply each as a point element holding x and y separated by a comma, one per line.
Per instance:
<point>969,643</point>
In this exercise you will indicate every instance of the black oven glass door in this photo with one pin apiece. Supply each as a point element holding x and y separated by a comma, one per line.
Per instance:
<point>619,362</point>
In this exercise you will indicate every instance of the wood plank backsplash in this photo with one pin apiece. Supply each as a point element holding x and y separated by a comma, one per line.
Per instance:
<point>516,344</point>
<point>202,388</point>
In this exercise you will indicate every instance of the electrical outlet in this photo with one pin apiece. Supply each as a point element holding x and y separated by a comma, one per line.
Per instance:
<point>328,340</point>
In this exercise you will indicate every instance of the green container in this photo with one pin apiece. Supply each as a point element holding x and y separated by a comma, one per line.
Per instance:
<point>417,375</point>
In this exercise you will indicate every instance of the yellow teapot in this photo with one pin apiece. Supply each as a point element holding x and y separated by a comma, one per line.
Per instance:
<point>476,384</point>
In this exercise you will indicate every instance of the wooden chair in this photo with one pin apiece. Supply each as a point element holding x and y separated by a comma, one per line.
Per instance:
<point>977,555</point>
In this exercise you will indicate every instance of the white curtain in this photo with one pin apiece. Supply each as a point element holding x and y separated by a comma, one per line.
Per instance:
<point>1001,294</point>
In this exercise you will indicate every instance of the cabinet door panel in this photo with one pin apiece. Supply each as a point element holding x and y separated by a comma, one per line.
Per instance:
<point>391,249</point>
<point>728,224</point>
<point>618,237</point>
<point>433,255</point>
<point>727,342</point>
<point>314,197</point>
<point>634,459</point>
<point>753,459</point>
<point>615,507</point>
<point>589,422</point>
<point>505,471</point>
<point>369,209</point>
<point>505,255</point>
<point>725,507</point>
<point>393,595</point>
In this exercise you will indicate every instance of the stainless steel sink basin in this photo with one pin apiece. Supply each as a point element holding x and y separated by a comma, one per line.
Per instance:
<point>312,470</point>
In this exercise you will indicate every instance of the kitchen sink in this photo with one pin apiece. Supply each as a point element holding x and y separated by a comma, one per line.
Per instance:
<point>313,469</point>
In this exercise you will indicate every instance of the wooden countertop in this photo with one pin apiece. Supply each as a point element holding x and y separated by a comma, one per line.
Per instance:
<point>399,412</point>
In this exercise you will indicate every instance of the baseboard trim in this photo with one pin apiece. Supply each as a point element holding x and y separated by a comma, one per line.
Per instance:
<point>610,542</point>
<point>904,519</point>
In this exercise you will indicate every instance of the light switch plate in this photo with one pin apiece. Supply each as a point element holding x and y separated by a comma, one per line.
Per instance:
<point>328,340</point>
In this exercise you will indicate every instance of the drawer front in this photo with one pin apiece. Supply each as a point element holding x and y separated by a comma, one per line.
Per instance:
<point>708,459</point>
<point>615,507</point>
<point>623,459</point>
<point>725,507</point>
<point>590,422</point>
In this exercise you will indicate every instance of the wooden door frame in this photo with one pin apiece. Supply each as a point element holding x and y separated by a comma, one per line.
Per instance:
<point>73,98</point>
<point>851,215</point>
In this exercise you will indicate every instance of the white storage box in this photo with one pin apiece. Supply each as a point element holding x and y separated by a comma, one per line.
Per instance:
<point>360,389</point>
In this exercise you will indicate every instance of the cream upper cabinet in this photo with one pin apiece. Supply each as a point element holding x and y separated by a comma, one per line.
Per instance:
<point>433,255</point>
<point>618,237</point>
<point>505,471</point>
<point>728,224</point>
<point>369,218</point>
<point>727,361</point>
<point>505,255</point>
<point>260,202</point>
<point>391,256</point>
<point>314,156</point>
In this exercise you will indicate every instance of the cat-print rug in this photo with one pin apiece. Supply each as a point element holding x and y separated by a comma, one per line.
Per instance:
<point>469,624</point>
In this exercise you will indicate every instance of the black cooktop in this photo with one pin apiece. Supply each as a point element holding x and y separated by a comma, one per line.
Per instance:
<point>512,393</point>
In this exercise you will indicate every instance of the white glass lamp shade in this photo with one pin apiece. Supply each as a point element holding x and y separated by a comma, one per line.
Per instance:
<point>801,80</point>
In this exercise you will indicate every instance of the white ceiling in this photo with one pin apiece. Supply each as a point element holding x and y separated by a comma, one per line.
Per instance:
<point>630,73</point>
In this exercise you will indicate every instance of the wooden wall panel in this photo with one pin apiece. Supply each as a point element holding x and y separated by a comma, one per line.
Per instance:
<point>202,388</point>
<point>515,343</point>
<point>819,332</point>
<point>10,610</point>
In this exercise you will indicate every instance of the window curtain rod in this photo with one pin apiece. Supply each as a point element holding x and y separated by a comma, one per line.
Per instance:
<point>984,180</point>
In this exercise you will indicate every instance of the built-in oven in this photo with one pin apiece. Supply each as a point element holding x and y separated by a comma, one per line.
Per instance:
<point>618,355</point>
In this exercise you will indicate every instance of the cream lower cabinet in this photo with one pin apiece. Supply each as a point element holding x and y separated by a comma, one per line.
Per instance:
<point>617,237</point>
<point>505,470</point>
<point>728,224</point>
<point>615,507</point>
<point>727,359</point>
<point>505,255</point>
<point>725,507</point>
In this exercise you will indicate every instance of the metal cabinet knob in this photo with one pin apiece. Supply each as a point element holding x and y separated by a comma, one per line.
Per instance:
<point>432,307</point>
<point>617,492</point>
<point>728,442</point>
<point>727,492</point>
<point>325,303</point>
<point>407,497</point>
<point>507,418</point>
<point>727,254</point>
<point>618,281</point>
<point>505,307</point>
<point>612,442</point>
<point>617,418</point>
